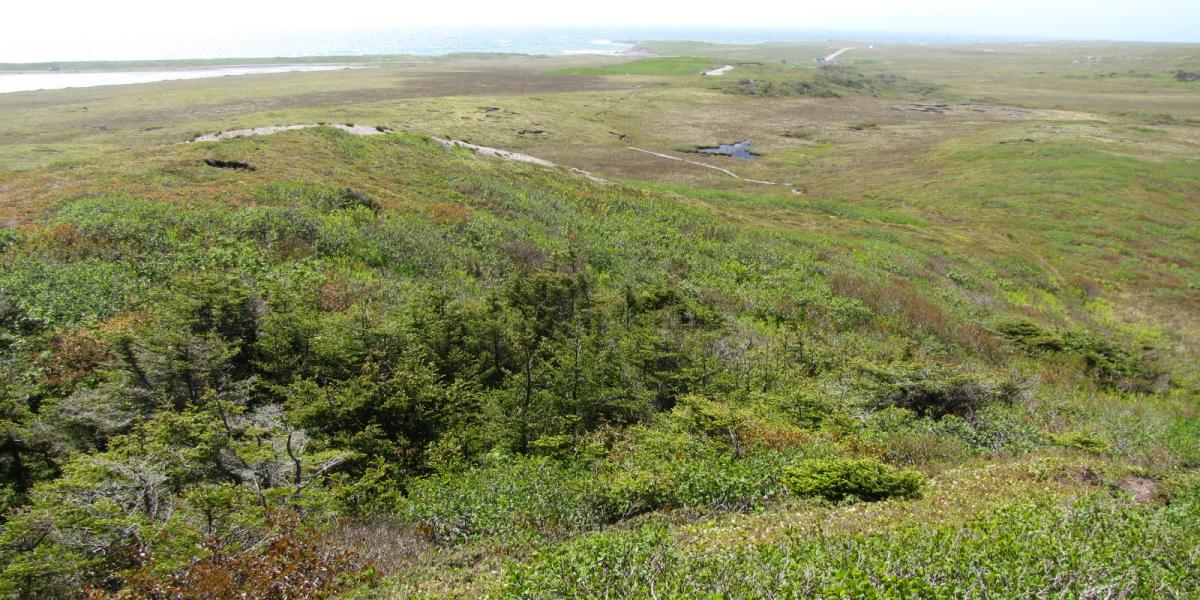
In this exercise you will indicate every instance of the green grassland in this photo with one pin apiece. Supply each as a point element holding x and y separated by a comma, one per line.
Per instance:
<point>659,67</point>
<point>947,351</point>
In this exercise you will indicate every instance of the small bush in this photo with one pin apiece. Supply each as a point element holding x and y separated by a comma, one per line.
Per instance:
<point>636,492</point>
<point>350,198</point>
<point>864,479</point>
<point>935,392</point>
<point>1115,366</point>
<point>1034,339</point>
<point>1082,441</point>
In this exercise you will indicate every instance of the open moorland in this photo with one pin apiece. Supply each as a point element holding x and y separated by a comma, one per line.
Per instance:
<point>512,326</point>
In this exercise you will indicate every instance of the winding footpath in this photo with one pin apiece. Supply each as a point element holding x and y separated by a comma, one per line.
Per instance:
<point>708,166</point>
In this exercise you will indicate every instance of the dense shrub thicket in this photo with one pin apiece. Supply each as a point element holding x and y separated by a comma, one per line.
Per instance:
<point>830,81</point>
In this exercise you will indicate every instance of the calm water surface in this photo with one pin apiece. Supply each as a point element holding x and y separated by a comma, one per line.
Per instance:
<point>20,82</point>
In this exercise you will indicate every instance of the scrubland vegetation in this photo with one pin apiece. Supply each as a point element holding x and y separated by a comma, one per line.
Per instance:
<point>374,367</point>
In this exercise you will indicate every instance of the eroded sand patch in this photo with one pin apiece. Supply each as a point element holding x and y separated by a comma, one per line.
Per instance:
<point>719,71</point>
<point>273,129</point>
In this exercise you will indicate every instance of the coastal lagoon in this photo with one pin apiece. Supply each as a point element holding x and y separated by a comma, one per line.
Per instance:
<point>57,80</point>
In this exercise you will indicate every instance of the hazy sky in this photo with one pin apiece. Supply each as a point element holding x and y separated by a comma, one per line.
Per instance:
<point>80,24</point>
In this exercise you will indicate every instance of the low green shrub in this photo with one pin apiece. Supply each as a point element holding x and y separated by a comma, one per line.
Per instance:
<point>1115,366</point>
<point>511,498</point>
<point>1030,337</point>
<point>1082,441</point>
<point>1021,550</point>
<point>839,479</point>
<point>1110,363</point>
<point>935,391</point>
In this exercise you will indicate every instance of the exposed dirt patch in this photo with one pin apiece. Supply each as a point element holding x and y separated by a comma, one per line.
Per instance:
<point>1084,475</point>
<point>926,108</point>
<point>273,129</point>
<point>236,165</point>
<point>1143,489</point>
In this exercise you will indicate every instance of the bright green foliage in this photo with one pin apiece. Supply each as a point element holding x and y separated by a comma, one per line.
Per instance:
<point>514,498</point>
<point>1083,441</point>
<point>1022,549</point>
<point>862,479</point>
<point>662,67</point>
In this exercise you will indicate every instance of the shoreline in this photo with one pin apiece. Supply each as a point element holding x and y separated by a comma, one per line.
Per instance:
<point>324,66</point>
<point>12,82</point>
<point>181,69</point>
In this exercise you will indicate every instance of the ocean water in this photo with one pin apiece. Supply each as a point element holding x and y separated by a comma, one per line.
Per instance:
<point>554,41</point>
<point>427,41</point>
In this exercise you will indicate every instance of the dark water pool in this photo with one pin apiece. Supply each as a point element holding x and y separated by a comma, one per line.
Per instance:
<point>738,150</point>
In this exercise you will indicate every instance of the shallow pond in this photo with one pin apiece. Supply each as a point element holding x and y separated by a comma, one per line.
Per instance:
<point>738,150</point>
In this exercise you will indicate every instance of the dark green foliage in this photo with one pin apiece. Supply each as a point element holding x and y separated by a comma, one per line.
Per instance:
<point>862,479</point>
<point>755,87</point>
<point>353,198</point>
<point>934,391</point>
<point>1111,364</point>
<point>830,81</point>
<point>1031,337</point>
<point>1116,366</point>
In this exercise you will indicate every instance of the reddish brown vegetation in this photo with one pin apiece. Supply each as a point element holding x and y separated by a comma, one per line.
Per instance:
<point>291,565</point>
<point>896,297</point>
<point>72,357</point>
<point>448,212</point>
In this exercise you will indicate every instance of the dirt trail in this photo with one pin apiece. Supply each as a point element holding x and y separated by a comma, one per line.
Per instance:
<point>707,166</point>
<point>510,155</point>
<point>835,55</point>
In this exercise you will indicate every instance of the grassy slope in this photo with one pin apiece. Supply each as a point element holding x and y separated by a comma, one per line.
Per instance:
<point>1075,214</point>
<point>954,290</point>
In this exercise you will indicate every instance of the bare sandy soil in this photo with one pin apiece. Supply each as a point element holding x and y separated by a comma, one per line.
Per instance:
<point>272,129</point>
